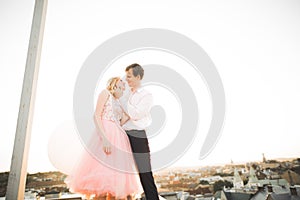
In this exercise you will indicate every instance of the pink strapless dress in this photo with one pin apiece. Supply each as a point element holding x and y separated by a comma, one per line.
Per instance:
<point>98,173</point>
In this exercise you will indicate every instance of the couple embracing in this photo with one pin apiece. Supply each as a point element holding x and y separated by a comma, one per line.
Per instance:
<point>120,122</point>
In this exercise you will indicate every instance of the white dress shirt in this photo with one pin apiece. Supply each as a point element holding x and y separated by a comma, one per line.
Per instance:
<point>137,105</point>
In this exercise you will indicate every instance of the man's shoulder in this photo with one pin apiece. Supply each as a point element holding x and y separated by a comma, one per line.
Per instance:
<point>143,91</point>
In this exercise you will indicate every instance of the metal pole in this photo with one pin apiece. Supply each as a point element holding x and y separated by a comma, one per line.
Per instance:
<point>18,168</point>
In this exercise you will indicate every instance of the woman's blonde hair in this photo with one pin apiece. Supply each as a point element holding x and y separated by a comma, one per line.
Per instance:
<point>111,84</point>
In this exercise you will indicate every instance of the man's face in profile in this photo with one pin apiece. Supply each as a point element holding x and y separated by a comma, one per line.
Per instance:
<point>131,79</point>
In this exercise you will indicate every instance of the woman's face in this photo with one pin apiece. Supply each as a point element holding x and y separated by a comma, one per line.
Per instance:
<point>120,87</point>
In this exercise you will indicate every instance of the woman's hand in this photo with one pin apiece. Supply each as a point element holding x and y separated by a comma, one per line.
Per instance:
<point>124,119</point>
<point>106,147</point>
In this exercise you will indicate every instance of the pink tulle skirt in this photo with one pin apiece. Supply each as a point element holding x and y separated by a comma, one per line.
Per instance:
<point>99,174</point>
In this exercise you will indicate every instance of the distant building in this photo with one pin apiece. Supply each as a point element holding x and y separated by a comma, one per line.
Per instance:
<point>200,190</point>
<point>231,195</point>
<point>270,165</point>
<point>169,195</point>
<point>52,194</point>
<point>212,179</point>
<point>253,180</point>
<point>292,177</point>
<point>270,174</point>
<point>199,197</point>
<point>237,180</point>
<point>275,182</point>
<point>264,158</point>
<point>277,193</point>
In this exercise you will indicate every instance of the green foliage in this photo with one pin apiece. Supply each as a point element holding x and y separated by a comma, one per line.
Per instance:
<point>223,174</point>
<point>219,185</point>
<point>204,182</point>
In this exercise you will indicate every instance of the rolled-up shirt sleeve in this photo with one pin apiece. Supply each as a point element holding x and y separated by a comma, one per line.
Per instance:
<point>141,108</point>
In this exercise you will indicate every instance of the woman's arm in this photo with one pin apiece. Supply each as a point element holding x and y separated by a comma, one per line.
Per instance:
<point>124,119</point>
<point>103,97</point>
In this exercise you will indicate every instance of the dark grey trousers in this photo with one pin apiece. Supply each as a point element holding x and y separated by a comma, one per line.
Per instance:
<point>140,148</point>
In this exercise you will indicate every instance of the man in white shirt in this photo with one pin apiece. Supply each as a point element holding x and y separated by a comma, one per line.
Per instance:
<point>138,105</point>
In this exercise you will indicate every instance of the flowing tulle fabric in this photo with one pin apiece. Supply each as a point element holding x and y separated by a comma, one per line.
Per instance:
<point>99,174</point>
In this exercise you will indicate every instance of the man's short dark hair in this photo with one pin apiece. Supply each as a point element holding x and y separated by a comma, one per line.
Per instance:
<point>136,69</point>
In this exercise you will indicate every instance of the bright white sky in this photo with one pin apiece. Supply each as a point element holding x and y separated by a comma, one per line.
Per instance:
<point>255,46</point>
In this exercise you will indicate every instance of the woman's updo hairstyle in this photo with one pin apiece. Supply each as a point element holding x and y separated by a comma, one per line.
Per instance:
<point>112,84</point>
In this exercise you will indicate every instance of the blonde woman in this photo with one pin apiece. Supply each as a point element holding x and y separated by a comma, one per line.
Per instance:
<point>108,173</point>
